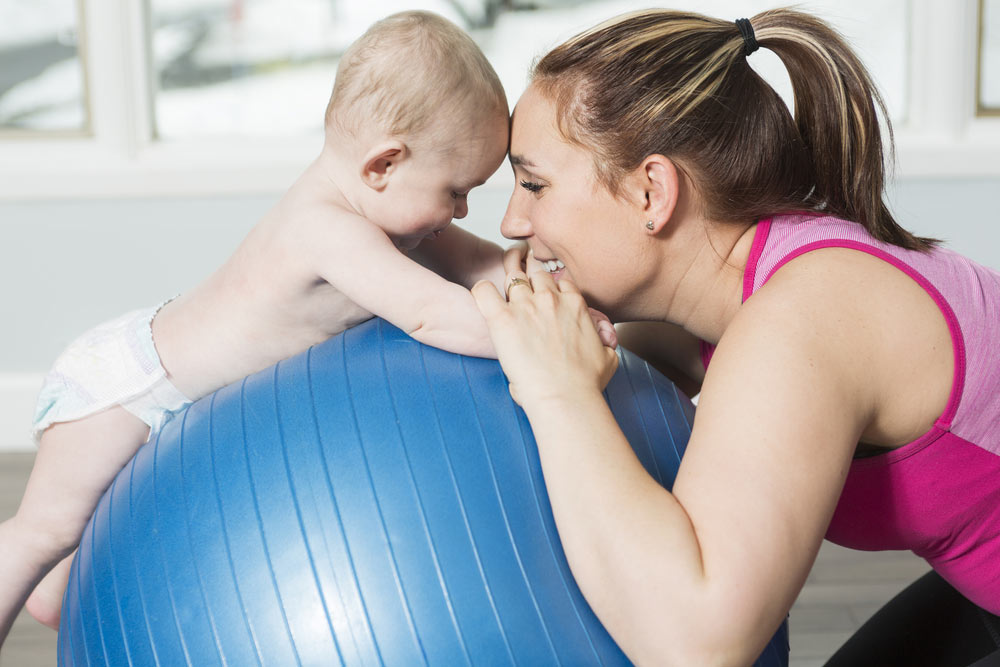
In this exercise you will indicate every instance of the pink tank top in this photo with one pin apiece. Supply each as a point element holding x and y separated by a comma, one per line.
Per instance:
<point>939,495</point>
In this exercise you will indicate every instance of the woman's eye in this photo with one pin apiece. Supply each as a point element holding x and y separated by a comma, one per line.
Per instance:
<point>531,187</point>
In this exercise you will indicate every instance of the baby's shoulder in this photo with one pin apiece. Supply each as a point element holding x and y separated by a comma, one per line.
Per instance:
<point>326,227</point>
<point>314,217</point>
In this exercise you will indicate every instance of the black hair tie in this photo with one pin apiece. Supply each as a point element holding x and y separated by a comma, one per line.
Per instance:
<point>749,40</point>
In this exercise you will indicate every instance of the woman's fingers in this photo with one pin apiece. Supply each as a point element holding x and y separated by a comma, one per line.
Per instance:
<point>548,342</point>
<point>567,286</point>
<point>531,264</point>
<point>487,298</point>
<point>517,285</point>
<point>542,281</point>
<point>515,257</point>
<point>602,323</point>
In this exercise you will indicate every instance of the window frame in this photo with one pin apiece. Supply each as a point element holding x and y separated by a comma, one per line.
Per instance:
<point>943,135</point>
<point>86,131</point>
<point>981,109</point>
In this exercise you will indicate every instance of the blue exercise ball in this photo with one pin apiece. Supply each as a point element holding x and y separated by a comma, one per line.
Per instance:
<point>371,501</point>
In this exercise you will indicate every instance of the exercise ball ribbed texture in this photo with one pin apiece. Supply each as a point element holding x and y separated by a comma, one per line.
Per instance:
<point>371,501</point>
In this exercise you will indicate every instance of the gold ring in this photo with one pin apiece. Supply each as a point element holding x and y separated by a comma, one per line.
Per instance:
<point>513,282</point>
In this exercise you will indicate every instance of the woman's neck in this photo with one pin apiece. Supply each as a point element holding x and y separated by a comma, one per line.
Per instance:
<point>706,293</point>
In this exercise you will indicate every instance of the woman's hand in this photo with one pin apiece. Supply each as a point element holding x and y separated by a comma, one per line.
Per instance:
<point>519,258</point>
<point>546,338</point>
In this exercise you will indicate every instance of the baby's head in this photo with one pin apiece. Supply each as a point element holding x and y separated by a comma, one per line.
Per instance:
<point>420,111</point>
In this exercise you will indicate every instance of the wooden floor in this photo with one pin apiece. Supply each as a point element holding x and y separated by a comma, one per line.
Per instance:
<point>845,588</point>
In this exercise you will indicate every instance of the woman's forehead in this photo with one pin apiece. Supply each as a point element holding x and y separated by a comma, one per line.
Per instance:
<point>532,111</point>
<point>535,138</point>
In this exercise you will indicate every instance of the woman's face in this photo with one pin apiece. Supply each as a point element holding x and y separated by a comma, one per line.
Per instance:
<point>572,224</point>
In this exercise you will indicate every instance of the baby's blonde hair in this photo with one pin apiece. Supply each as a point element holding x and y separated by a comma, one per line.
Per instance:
<point>406,71</point>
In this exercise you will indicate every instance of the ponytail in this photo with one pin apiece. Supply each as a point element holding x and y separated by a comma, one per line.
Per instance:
<point>679,84</point>
<point>836,113</point>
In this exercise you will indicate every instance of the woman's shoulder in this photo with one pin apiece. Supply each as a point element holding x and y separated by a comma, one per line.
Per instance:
<point>842,309</point>
<point>782,238</point>
<point>831,308</point>
<point>834,281</point>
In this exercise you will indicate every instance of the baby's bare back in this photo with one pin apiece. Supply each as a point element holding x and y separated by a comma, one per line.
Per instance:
<point>265,304</point>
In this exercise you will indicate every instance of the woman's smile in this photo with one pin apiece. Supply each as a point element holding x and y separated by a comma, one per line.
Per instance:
<point>553,266</point>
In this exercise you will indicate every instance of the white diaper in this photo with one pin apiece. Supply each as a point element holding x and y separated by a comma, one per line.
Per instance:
<point>114,363</point>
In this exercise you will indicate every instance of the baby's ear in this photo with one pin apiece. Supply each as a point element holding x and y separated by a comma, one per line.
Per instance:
<point>381,162</point>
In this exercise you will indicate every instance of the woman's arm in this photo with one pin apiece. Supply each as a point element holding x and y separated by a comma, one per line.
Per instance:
<point>706,574</point>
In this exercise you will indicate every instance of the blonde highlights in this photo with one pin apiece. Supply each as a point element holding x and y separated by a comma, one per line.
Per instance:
<point>678,84</point>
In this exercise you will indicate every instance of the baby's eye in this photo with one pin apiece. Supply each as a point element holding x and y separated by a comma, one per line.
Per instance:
<point>531,187</point>
<point>458,195</point>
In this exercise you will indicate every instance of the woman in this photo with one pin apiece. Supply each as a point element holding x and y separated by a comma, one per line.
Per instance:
<point>852,391</point>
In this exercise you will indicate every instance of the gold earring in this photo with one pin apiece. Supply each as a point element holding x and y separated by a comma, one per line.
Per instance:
<point>649,225</point>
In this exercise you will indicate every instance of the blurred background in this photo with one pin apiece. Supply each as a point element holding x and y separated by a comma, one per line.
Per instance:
<point>141,139</point>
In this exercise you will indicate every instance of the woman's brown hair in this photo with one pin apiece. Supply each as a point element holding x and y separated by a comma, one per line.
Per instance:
<point>679,84</point>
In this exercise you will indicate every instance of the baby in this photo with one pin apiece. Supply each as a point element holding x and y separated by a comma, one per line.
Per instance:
<point>417,119</point>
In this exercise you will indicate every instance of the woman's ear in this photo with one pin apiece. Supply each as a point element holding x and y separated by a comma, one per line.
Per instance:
<point>381,162</point>
<point>659,181</point>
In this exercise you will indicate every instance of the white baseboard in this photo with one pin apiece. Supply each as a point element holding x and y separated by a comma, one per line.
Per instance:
<point>18,392</point>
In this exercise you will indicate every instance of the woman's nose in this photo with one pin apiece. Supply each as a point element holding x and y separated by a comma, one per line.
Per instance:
<point>515,224</point>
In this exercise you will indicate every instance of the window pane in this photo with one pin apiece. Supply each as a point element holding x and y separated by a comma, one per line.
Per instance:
<point>266,67</point>
<point>876,29</point>
<point>989,57</point>
<point>41,76</point>
<point>262,67</point>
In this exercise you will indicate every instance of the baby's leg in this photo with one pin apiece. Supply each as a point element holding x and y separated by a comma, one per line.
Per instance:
<point>75,464</point>
<point>45,602</point>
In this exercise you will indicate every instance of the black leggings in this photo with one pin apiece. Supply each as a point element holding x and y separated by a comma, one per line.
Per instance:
<point>929,623</point>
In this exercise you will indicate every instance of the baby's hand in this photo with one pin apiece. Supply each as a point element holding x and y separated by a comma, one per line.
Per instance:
<point>605,329</point>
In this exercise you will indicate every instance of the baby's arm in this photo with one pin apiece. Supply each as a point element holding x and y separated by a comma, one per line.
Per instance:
<point>462,257</point>
<point>465,258</point>
<point>365,265</point>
